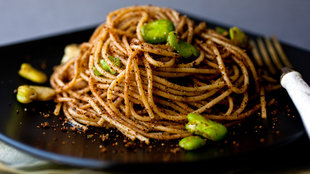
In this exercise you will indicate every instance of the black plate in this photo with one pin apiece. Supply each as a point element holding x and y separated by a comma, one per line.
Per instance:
<point>19,123</point>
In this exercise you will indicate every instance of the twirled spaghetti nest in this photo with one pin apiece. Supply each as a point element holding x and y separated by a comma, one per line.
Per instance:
<point>155,88</point>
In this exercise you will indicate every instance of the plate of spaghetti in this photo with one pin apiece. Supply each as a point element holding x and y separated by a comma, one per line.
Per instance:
<point>125,93</point>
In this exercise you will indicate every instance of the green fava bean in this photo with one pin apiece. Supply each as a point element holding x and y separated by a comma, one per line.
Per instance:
<point>192,142</point>
<point>221,30</point>
<point>238,37</point>
<point>185,49</point>
<point>192,117</point>
<point>116,61</point>
<point>156,32</point>
<point>27,71</point>
<point>96,72</point>
<point>207,128</point>
<point>25,94</point>
<point>106,66</point>
<point>173,40</point>
<point>29,93</point>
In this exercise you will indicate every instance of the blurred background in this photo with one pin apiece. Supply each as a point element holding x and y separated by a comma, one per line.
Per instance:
<point>289,20</point>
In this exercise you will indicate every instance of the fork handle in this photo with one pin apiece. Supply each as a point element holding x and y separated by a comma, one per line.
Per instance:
<point>299,91</point>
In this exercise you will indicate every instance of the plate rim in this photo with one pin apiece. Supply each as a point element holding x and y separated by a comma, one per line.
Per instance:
<point>105,164</point>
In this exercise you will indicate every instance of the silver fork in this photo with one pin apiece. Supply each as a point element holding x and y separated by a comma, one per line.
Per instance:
<point>276,60</point>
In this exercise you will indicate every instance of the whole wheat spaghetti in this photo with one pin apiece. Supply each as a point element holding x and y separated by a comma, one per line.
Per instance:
<point>153,90</point>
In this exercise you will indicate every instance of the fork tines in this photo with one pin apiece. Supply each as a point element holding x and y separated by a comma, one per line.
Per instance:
<point>275,58</point>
